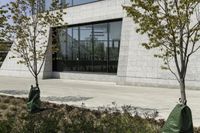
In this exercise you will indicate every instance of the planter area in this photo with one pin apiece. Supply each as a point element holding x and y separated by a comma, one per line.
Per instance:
<point>54,118</point>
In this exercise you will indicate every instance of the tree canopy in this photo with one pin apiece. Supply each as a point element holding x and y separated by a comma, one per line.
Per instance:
<point>3,21</point>
<point>30,32</point>
<point>172,26</point>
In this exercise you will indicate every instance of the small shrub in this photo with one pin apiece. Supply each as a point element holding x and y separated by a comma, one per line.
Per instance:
<point>64,118</point>
<point>3,106</point>
<point>13,108</point>
<point>6,100</point>
<point>6,125</point>
<point>23,107</point>
<point>13,101</point>
<point>10,114</point>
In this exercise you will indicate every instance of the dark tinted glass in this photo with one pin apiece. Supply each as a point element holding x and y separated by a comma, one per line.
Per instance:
<point>65,3</point>
<point>100,47</point>
<point>60,57</point>
<point>90,48</point>
<point>78,2</point>
<point>72,49</point>
<point>85,48</point>
<point>114,44</point>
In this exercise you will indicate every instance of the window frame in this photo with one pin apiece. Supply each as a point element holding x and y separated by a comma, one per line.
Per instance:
<point>107,22</point>
<point>68,6</point>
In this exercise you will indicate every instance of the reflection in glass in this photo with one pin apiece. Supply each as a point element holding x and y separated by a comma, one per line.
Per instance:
<point>100,47</point>
<point>85,48</point>
<point>65,3</point>
<point>114,43</point>
<point>72,49</point>
<point>79,2</point>
<point>61,54</point>
<point>90,48</point>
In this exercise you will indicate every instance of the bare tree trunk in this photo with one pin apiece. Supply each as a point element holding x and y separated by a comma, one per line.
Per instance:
<point>182,89</point>
<point>35,67</point>
<point>36,81</point>
<point>35,58</point>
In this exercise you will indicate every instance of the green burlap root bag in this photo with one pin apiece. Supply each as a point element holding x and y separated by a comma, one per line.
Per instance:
<point>34,102</point>
<point>33,105</point>
<point>179,120</point>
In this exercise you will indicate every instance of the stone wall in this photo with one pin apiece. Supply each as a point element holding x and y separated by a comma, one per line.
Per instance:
<point>137,66</point>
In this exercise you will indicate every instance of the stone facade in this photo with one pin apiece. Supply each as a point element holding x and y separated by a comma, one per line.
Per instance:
<point>136,66</point>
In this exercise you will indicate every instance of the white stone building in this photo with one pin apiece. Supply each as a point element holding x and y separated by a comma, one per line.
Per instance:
<point>101,44</point>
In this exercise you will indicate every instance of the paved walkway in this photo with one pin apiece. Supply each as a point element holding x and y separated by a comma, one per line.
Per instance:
<point>95,94</point>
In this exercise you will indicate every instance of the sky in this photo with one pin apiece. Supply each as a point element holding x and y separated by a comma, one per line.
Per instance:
<point>2,2</point>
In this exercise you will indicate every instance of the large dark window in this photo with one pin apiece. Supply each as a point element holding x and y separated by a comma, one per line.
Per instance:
<point>65,3</point>
<point>90,48</point>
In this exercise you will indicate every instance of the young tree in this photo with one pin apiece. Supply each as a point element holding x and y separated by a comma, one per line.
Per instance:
<point>29,31</point>
<point>172,28</point>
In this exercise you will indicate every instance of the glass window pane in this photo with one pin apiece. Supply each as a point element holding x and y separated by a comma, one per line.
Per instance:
<point>69,2</point>
<point>75,49</point>
<point>69,49</point>
<point>71,63</point>
<point>69,44</point>
<point>115,30</point>
<point>114,45</point>
<point>87,48</point>
<point>78,2</point>
<point>75,44</point>
<point>66,3</point>
<point>100,47</point>
<point>60,56</point>
<point>85,61</point>
<point>48,4</point>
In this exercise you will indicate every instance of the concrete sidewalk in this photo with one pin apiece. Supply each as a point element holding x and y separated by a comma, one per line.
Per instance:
<point>95,94</point>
